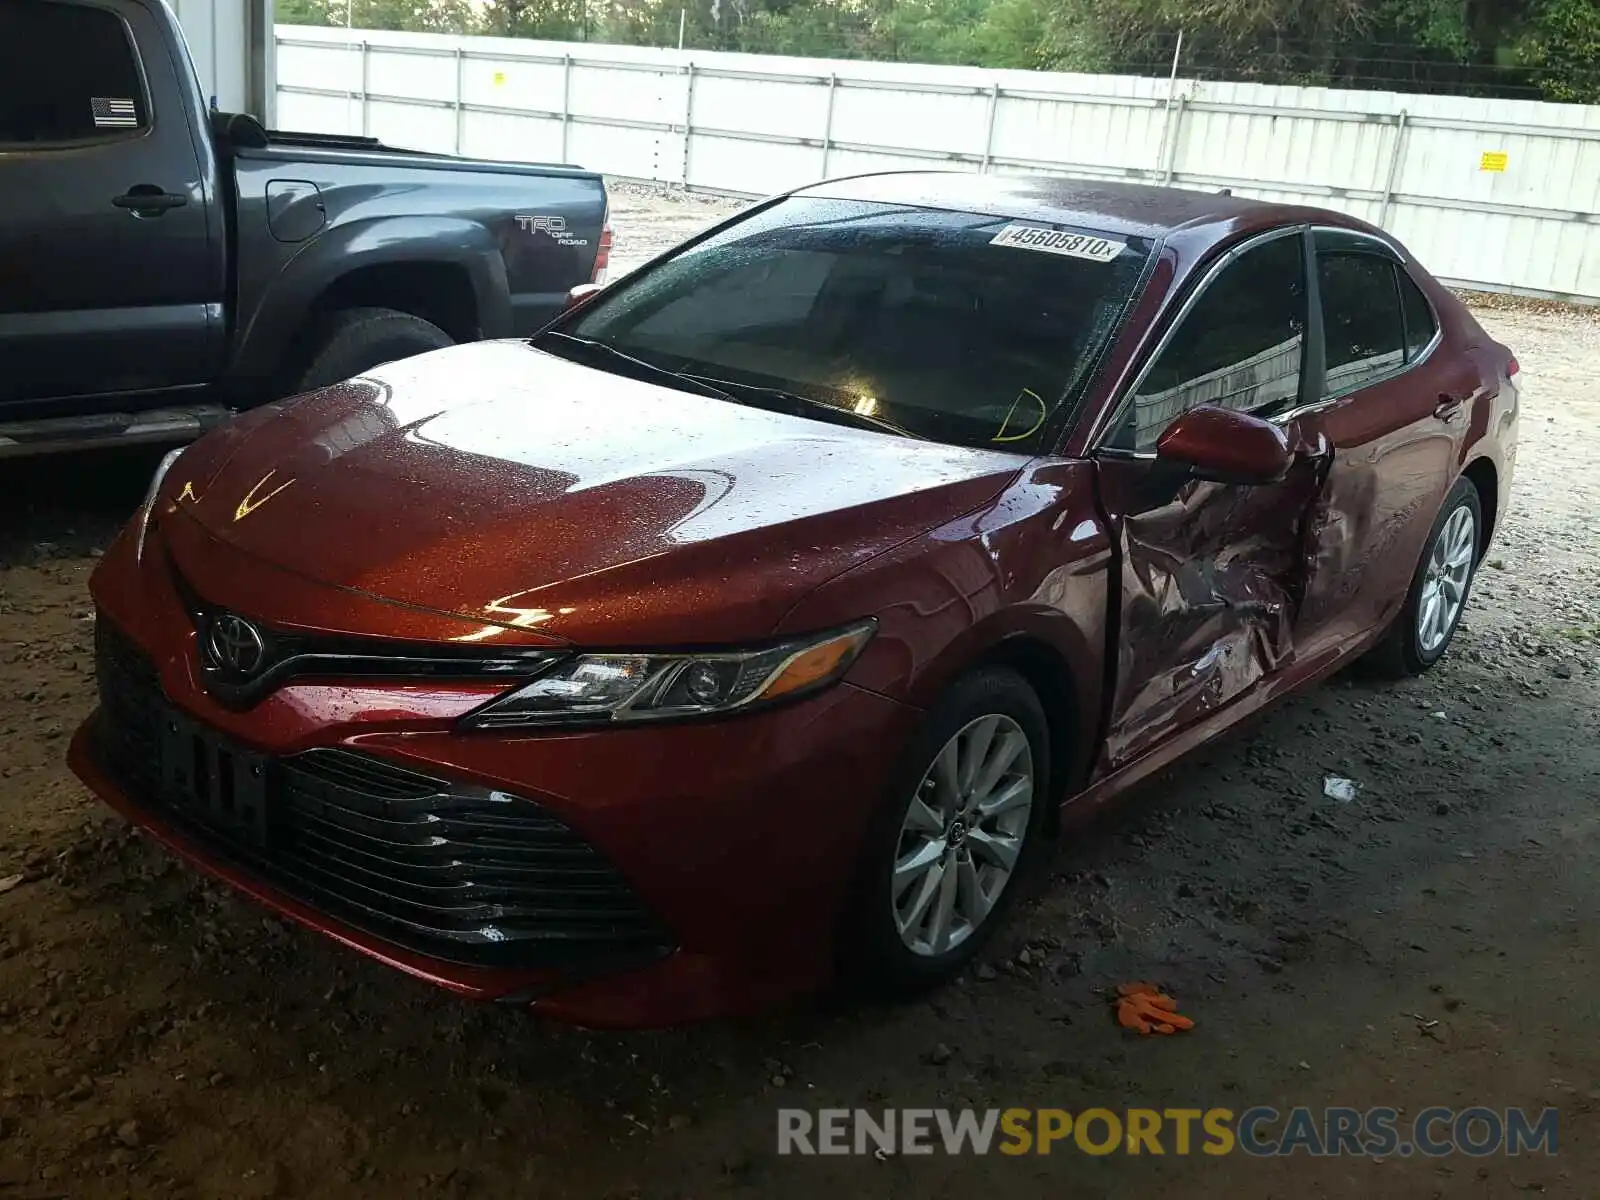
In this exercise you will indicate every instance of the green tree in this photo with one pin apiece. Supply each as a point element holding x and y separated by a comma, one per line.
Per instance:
<point>1562,45</point>
<point>422,16</point>
<point>1256,36</point>
<point>416,16</point>
<point>305,12</point>
<point>1549,47</point>
<point>555,20</point>
<point>1435,24</point>
<point>1012,34</point>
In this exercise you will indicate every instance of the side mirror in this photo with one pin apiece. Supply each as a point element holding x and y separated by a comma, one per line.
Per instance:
<point>581,293</point>
<point>1225,446</point>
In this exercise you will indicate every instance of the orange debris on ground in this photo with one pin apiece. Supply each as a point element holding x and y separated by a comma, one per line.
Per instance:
<point>1145,1008</point>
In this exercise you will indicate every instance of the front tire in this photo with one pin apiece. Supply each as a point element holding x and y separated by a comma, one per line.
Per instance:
<point>1422,631</point>
<point>957,830</point>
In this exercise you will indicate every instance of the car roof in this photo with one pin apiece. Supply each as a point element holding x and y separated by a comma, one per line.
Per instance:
<point>1131,209</point>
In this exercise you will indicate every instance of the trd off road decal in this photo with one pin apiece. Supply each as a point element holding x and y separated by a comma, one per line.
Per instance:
<point>1053,241</point>
<point>555,227</point>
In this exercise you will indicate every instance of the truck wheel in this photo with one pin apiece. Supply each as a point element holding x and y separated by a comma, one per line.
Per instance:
<point>359,339</point>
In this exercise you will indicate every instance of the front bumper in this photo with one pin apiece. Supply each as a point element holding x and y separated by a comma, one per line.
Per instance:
<point>737,840</point>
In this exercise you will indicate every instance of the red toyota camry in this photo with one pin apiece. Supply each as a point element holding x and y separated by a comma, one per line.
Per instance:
<point>754,623</point>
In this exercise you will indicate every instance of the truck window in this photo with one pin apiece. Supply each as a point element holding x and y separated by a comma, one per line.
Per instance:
<point>68,73</point>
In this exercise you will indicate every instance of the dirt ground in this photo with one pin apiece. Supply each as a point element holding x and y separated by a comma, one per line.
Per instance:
<point>1431,942</point>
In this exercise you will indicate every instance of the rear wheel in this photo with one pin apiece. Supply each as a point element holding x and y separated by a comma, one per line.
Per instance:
<point>961,824</point>
<point>359,339</point>
<point>1439,588</point>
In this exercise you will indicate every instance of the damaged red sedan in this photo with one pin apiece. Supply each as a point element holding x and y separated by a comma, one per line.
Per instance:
<point>753,625</point>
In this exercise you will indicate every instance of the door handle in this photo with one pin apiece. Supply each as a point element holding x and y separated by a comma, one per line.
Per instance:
<point>147,200</point>
<point>1449,406</point>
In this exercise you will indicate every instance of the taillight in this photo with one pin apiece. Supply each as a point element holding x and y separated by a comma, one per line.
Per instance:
<point>1512,368</point>
<point>602,254</point>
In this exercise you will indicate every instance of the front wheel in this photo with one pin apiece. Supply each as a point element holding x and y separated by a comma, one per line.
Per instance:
<point>955,833</point>
<point>1439,588</point>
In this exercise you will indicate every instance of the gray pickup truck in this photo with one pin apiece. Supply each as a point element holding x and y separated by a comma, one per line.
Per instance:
<point>163,264</point>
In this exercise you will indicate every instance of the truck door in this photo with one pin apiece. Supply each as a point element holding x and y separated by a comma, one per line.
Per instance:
<point>111,252</point>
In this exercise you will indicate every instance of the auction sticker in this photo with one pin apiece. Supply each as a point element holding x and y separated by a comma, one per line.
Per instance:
<point>1053,241</point>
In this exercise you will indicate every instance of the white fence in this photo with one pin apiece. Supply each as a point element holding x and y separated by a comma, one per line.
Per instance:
<point>230,42</point>
<point>1502,195</point>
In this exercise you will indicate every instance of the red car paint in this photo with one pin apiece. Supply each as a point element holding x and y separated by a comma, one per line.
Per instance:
<point>434,502</point>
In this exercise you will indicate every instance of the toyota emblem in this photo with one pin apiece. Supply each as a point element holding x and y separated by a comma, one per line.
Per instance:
<point>236,645</point>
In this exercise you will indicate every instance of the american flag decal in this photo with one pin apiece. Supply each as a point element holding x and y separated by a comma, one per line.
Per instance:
<point>112,113</point>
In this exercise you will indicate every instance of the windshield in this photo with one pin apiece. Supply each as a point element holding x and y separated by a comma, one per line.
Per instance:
<point>957,327</point>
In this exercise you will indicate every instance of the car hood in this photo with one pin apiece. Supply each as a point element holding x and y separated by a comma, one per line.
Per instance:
<point>527,493</point>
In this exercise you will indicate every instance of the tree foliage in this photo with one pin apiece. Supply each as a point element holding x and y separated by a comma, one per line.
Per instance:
<point>1535,48</point>
<point>419,16</point>
<point>1562,45</point>
<point>554,20</point>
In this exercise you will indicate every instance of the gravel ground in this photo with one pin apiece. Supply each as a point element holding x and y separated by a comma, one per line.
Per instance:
<point>1430,942</point>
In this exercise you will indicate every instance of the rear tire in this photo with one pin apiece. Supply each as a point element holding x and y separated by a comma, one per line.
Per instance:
<point>970,796</point>
<point>359,339</point>
<point>1440,588</point>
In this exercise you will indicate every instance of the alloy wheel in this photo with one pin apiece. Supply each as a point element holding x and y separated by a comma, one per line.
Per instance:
<point>963,834</point>
<point>1444,583</point>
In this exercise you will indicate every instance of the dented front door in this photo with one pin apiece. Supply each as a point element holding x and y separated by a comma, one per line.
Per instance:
<point>1211,574</point>
<point>1211,580</point>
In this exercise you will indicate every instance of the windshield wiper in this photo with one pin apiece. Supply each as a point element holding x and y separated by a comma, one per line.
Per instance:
<point>789,402</point>
<point>688,383</point>
<point>793,403</point>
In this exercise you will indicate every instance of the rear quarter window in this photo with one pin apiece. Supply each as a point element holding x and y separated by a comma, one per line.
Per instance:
<point>1418,313</point>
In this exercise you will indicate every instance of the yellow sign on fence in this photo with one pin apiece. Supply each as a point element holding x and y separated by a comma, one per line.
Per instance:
<point>1493,160</point>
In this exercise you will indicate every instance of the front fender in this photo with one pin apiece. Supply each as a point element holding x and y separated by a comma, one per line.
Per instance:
<point>267,331</point>
<point>1027,574</point>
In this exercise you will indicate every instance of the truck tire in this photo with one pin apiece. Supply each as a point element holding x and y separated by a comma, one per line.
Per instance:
<point>358,339</point>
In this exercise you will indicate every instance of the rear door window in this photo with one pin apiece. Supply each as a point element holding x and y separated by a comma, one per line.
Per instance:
<point>1362,327</point>
<point>68,74</point>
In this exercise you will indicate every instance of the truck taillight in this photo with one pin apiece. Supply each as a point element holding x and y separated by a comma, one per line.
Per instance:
<point>602,254</point>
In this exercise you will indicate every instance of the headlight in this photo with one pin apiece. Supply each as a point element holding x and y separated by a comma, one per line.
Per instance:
<point>143,517</point>
<point>608,689</point>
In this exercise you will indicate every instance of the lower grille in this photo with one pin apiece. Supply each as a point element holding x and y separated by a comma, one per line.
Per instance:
<point>466,865</point>
<point>454,871</point>
<point>130,722</point>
